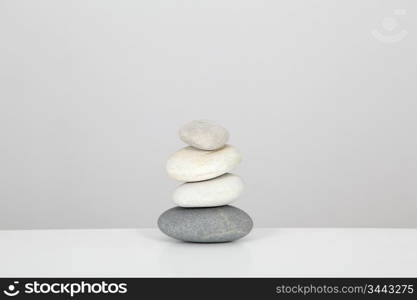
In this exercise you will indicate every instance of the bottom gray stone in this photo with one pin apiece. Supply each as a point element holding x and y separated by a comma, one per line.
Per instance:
<point>205,225</point>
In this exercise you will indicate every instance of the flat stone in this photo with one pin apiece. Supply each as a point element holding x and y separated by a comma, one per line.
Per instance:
<point>204,135</point>
<point>190,164</point>
<point>205,225</point>
<point>218,191</point>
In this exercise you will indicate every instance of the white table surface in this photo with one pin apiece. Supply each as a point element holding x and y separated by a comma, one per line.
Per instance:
<point>264,253</point>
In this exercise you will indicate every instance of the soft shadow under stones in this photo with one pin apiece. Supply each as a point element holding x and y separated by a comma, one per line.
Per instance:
<point>205,259</point>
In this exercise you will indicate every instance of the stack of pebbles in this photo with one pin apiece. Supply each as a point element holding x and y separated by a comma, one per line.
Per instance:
<point>203,214</point>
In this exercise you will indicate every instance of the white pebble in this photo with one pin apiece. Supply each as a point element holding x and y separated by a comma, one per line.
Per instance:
<point>204,135</point>
<point>218,191</point>
<point>190,164</point>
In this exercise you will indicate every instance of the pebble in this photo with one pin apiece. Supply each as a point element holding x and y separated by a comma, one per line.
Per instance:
<point>190,164</point>
<point>204,135</point>
<point>219,191</point>
<point>205,225</point>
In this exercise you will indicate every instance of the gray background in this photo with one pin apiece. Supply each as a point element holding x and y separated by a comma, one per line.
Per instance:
<point>92,94</point>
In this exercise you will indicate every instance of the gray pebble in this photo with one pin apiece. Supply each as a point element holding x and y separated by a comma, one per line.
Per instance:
<point>205,225</point>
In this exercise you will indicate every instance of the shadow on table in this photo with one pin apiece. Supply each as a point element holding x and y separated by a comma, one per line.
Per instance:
<point>253,236</point>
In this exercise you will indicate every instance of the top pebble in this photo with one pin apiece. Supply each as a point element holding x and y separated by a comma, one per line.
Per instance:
<point>204,135</point>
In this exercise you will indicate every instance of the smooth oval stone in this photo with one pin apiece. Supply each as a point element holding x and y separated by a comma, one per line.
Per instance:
<point>218,191</point>
<point>190,164</point>
<point>204,135</point>
<point>205,225</point>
